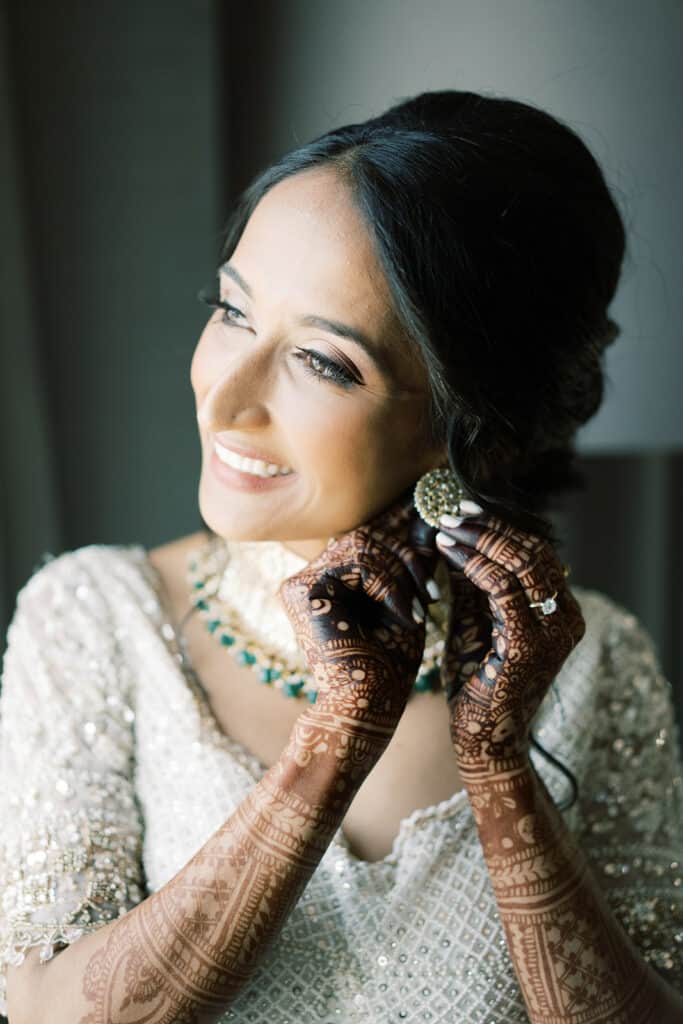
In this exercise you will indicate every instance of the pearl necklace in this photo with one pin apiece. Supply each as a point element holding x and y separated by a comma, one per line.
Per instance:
<point>234,586</point>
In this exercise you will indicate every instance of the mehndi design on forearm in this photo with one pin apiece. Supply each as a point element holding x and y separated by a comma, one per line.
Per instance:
<point>519,653</point>
<point>573,960</point>
<point>182,955</point>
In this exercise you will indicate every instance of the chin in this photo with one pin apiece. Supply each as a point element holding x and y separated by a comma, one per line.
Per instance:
<point>226,524</point>
<point>275,514</point>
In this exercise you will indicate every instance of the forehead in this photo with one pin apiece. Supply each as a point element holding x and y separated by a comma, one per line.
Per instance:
<point>306,247</point>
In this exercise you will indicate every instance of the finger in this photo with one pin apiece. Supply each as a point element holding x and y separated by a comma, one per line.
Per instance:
<point>381,565</point>
<point>466,599</point>
<point>468,631</point>
<point>411,543</point>
<point>396,602</point>
<point>421,540</point>
<point>469,641</point>
<point>411,567</point>
<point>532,559</point>
<point>385,598</point>
<point>506,598</point>
<point>421,537</point>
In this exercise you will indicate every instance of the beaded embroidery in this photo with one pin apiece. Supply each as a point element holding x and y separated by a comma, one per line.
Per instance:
<point>113,775</point>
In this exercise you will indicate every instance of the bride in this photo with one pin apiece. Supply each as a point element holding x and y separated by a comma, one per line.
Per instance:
<point>357,751</point>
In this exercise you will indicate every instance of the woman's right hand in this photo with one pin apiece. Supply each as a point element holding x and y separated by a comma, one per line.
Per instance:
<point>352,612</point>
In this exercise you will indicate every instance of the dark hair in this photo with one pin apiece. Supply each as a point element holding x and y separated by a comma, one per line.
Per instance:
<point>502,247</point>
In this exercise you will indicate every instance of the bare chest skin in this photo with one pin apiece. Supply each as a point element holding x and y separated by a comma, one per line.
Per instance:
<point>417,769</point>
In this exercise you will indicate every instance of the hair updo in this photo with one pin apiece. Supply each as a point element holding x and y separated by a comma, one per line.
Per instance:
<point>502,248</point>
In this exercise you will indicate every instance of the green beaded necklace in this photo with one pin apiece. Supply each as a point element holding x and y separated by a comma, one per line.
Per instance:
<point>220,570</point>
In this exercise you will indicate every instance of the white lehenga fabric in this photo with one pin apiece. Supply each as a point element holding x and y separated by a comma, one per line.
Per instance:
<point>107,740</point>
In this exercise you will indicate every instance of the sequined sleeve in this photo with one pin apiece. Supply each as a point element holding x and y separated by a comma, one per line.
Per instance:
<point>631,796</point>
<point>70,838</point>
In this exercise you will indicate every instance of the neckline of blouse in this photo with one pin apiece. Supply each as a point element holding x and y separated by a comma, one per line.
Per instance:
<point>452,807</point>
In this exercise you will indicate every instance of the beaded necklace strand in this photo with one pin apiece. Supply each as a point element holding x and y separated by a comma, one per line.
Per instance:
<point>214,576</point>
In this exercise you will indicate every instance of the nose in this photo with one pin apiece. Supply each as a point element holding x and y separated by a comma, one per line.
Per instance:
<point>238,395</point>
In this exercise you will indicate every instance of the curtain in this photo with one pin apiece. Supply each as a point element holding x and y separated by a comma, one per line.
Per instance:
<point>29,500</point>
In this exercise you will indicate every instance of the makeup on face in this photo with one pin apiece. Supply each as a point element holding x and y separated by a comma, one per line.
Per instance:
<point>243,480</point>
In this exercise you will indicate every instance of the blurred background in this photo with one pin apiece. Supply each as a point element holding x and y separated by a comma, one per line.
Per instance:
<point>127,130</point>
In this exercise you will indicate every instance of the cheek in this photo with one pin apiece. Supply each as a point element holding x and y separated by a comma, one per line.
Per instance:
<point>393,439</point>
<point>335,448</point>
<point>369,447</point>
<point>332,437</point>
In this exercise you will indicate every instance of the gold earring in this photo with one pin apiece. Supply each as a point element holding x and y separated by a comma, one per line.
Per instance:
<point>437,492</point>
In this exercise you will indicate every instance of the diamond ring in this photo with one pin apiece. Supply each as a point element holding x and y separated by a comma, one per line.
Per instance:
<point>547,607</point>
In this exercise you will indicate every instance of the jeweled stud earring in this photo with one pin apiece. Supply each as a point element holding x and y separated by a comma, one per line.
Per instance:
<point>437,492</point>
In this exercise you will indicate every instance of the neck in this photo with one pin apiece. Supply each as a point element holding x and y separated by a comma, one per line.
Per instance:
<point>308,549</point>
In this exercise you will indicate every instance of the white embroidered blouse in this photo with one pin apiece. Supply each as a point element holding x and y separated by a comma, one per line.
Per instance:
<point>106,739</point>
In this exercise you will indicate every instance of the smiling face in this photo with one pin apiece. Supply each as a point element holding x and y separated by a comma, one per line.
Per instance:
<point>276,376</point>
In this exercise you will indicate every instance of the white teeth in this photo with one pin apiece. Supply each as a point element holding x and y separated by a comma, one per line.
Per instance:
<point>254,466</point>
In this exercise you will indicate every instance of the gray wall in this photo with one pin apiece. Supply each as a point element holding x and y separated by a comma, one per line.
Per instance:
<point>611,68</point>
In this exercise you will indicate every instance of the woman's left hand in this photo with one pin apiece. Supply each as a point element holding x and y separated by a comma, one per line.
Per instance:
<point>501,655</point>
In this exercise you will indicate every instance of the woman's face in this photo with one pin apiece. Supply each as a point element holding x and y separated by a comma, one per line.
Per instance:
<point>309,371</point>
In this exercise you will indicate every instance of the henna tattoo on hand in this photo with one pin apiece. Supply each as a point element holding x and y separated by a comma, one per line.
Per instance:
<point>351,610</point>
<point>182,955</point>
<point>502,661</point>
<point>573,960</point>
<point>185,952</point>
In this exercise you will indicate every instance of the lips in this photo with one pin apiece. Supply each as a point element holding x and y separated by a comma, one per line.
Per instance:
<point>247,452</point>
<point>241,480</point>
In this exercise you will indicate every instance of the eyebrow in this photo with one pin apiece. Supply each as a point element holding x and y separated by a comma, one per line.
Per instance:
<point>333,326</point>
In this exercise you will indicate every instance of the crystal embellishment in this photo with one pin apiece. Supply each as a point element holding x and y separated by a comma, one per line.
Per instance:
<point>436,492</point>
<point>72,862</point>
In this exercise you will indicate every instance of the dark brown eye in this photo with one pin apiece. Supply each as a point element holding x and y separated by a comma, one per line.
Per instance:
<point>318,365</point>
<point>324,368</point>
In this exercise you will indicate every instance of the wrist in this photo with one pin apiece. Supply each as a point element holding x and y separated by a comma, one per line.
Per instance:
<point>329,754</point>
<point>363,701</point>
<point>519,827</point>
<point>483,773</point>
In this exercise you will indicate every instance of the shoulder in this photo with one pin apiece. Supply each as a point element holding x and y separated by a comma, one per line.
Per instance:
<point>72,600</point>
<point>77,578</point>
<point>610,624</point>
<point>621,643</point>
<point>68,659</point>
<point>92,573</point>
<point>632,693</point>
<point>616,653</point>
<point>631,699</point>
<point>611,681</point>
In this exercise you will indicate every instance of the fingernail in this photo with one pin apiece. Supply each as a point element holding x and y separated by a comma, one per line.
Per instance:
<point>418,613</point>
<point>433,589</point>
<point>470,507</point>
<point>445,540</point>
<point>448,520</point>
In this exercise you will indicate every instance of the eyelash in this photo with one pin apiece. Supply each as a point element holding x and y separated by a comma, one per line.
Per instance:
<point>331,371</point>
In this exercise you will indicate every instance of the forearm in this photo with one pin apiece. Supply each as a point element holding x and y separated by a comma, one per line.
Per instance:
<point>186,951</point>
<point>573,960</point>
